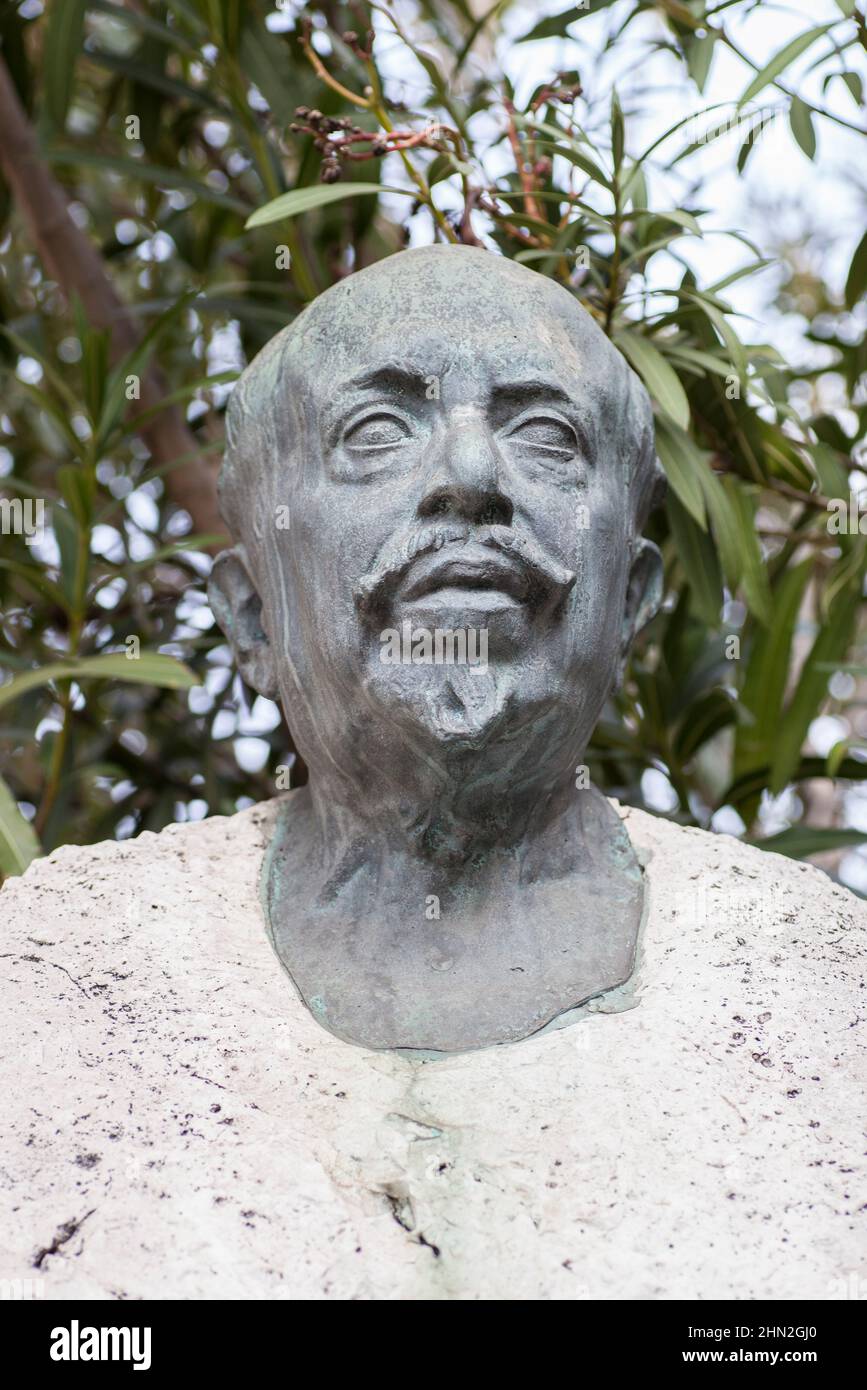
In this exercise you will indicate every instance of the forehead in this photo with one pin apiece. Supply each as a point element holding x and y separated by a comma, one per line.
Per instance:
<point>465,366</point>
<point>473,321</point>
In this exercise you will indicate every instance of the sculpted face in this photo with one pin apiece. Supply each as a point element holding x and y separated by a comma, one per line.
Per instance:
<point>444,441</point>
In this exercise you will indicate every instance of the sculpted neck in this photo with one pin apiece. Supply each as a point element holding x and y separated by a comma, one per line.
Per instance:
<point>406,926</point>
<point>446,816</point>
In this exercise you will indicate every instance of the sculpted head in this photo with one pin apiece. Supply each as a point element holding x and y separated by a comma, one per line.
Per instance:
<point>446,440</point>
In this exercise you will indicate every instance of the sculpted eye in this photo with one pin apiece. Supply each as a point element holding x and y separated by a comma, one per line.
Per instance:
<point>379,431</point>
<point>546,432</point>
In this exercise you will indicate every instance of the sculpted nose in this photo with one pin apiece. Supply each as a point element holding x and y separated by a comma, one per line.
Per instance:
<point>465,480</point>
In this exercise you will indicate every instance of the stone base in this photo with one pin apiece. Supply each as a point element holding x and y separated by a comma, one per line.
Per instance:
<point>177,1125</point>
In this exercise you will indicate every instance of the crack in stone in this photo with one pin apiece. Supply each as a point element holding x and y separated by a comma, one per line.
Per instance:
<point>43,961</point>
<point>62,1236</point>
<point>402,1211</point>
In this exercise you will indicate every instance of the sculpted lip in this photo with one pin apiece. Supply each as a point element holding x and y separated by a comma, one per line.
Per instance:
<point>458,560</point>
<point>468,572</point>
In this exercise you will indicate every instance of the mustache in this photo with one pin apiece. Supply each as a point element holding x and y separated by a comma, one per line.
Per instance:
<point>541,570</point>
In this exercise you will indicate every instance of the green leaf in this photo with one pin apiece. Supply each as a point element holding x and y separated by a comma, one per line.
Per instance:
<point>136,169</point>
<point>750,785</point>
<point>73,553</point>
<point>38,580</point>
<point>678,216</point>
<point>781,60</point>
<point>19,844</point>
<point>856,282</point>
<point>756,131</point>
<point>716,132</point>
<point>581,161</point>
<point>703,720</point>
<point>149,668</point>
<point>756,588</point>
<point>855,84</point>
<point>767,672</point>
<point>800,841</point>
<point>837,756</point>
<point>183,393</point>
<point>698,556</point>
<point>725,523</point>
<point>801,121</point>
<point>555,25</point>
<point>683,462</point>
<point>617,132</point>
<point>699,55</point>
<point>143,75</point>
<point>831,470</point>
<point>77,490</point>
<point>266,61</point>
<point>831,642</point>
<point>171,37</point>
<point>133,363</point>
<point>54,377</point>
<point>634,188</point>
<point>63,37</point>
<point>442,167</point>
<point>702,361</point>
<point>94,361</point>
<point>716,311</point>
<point>53,412</point>
<point>316,196</point>
<point>657,373</point>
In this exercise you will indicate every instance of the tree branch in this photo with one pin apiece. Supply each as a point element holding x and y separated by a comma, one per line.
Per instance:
<point>74,263</point>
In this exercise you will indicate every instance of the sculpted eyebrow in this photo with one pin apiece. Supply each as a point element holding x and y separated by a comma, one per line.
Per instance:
<point>529,389</point>
<point>517,395</point>
<point>391,376</point>
<point>391,379</point>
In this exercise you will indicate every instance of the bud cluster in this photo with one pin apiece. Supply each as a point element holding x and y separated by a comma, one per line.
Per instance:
<point>338,139</point>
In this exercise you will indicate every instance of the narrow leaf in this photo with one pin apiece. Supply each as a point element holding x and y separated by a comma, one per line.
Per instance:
<point>65,30</point>
<point>316,196</point>
<point>856,282</point>
<point>683,461</point>
<point>781,60</point>
<point>658,375</point>
<point>698,556</point>
<point>19,844</point>
<point>149,668</point>
<point>801,121</point>
<point>800,841</point>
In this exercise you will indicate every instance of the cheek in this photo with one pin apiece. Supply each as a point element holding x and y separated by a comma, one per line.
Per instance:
<point>600,550</point>
<point>601,563</point>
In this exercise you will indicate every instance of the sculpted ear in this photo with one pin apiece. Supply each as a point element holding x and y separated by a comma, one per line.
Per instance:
<point>237,608</point>
<point>643,595</point>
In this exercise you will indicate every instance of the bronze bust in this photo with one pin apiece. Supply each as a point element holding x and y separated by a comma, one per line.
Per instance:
<point>436,480</point>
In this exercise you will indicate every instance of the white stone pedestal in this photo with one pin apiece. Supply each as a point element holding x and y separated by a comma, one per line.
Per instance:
<point>177,1125</point>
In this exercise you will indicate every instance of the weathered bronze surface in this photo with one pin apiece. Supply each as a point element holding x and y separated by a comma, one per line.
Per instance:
<point>443,443</point>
